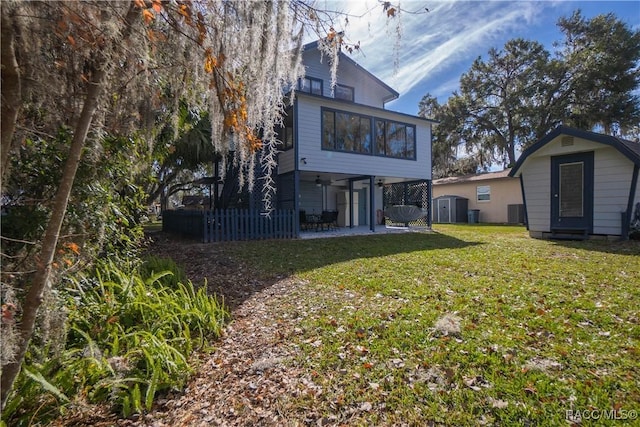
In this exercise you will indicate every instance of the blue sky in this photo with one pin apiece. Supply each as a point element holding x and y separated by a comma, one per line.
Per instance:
<point>437,47</point>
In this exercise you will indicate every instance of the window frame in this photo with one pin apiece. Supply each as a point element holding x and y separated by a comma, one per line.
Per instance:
<point>373,142</point>
<point>285,132</point>
<point>382,150</point>
<point>343,87</point>
<point>480,193</point>
<point>334,134</point>
<point>311,81</point>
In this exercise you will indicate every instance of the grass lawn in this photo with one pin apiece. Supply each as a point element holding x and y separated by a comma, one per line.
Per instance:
<point>470,325</point>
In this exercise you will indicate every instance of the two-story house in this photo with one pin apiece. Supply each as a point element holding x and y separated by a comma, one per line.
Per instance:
<point>343,148</point>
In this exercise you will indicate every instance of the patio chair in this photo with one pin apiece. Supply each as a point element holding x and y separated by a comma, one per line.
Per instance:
<point>330,219</point>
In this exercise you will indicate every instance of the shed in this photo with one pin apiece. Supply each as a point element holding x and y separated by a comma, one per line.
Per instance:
<point>449,209</point>
<point>579,184</point>
<point>495,194</point>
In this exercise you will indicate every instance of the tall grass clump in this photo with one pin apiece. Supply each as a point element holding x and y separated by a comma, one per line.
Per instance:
<point>151,265</point>
<point>128,337</point>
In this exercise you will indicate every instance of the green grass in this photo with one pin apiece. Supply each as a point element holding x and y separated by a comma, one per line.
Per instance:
<point>545,327</point>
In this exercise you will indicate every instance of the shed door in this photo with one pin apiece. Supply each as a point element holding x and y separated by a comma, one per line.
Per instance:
<point>572,192</point>
<point>444,211</point>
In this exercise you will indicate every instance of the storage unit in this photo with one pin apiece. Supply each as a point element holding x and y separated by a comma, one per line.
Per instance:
<point>515,214</point>
<point>450,209</point>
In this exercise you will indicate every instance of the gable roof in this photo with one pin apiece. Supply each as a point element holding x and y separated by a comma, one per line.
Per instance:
<point>629,149</point>
<point>471,178</point>
<point>343,57</point>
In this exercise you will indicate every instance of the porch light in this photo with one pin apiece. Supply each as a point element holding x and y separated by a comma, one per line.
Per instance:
<point>380,184</point>
<point>318,182</point>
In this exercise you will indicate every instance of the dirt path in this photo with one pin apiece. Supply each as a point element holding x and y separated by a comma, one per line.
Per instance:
<point>245,381</point>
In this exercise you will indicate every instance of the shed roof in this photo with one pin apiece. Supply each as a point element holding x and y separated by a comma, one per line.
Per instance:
<point>629,149</point>
<point>474,177</point>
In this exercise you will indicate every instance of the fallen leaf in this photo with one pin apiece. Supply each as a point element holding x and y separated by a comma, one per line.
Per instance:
<point>497,403</point>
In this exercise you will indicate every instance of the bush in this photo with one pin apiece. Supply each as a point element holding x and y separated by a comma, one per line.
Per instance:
<point>152,265</point>
<point>129,338</point>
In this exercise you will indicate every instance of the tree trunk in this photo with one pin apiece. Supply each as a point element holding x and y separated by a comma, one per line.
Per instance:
<point>34,296</point>
<point>11,90</point>
<point>42,275</point>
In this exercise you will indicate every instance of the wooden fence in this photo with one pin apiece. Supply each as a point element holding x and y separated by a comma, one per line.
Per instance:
<point>231,224</point>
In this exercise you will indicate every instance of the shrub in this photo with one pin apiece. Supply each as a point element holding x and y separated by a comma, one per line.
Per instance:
<point>129,338</point>
<point>152,265</point>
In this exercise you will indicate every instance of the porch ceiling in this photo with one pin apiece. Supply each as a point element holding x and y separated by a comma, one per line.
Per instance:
<point>342,179</point>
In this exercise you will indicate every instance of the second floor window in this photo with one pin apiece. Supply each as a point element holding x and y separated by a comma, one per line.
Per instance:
<point>394,139</point>
<point>344,131</point>
<point>343,92</point>
<point>356,133</point>
<point>310,85</point>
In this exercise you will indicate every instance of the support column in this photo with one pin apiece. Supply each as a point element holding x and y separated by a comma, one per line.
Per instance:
<point>350,203</point>
<point>372,203</point>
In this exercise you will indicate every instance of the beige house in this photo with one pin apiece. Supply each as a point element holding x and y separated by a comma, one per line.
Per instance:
<point>496,195</point>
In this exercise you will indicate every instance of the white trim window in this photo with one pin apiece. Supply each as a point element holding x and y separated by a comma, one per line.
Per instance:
<point>483,193</point>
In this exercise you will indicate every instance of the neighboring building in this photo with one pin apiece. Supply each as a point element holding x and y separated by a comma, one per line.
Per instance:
<point>578,184</point>
<point>496,195</point>
<point>343,148</point>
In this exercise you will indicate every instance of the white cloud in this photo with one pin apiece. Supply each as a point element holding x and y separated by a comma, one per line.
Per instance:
<point>450,32</point>
<point>437,47</point>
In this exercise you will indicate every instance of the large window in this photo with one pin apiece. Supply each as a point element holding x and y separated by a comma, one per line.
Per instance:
<point>343,92</point>
<point>344,131</point>
<point>394,139</point>
<point>310,85</point>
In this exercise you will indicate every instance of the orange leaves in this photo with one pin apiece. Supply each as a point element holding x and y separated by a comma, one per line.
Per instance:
<point>155,35</point>
<point>70,251</point>
<point>391,11</point>
<point>185,11</point>
<point>211,61</point>
<point>148,16</point>
<point>73,247</point>
<point>149,13</point>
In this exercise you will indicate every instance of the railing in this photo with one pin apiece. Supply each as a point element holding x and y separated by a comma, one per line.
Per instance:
<point>231,224</point>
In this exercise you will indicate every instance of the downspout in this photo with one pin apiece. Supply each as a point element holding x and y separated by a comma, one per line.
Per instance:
<point>626,217</point>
